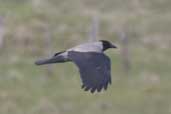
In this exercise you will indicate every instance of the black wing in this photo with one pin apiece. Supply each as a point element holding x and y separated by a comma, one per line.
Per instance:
<point>94,69</point>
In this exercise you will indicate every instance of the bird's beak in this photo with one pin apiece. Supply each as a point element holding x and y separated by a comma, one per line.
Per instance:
<point>113,46</point>
<point>46,61</point>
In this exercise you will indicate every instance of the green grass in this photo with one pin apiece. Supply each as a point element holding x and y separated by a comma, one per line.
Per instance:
<point>26,88</point>
<point>29,89</point>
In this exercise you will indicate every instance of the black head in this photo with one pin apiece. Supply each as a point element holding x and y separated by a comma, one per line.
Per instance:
<point>107,45</point>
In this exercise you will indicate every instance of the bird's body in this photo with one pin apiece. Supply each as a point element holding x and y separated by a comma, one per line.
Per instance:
<point>93,64</point>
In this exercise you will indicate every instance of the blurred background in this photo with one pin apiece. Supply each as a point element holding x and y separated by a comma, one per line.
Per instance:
<point>141,66</point>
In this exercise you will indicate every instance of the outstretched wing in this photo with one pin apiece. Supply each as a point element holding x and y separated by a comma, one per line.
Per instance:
<point>94,69</point>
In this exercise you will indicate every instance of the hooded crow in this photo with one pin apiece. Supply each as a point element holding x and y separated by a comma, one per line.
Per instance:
<point>94,66</point>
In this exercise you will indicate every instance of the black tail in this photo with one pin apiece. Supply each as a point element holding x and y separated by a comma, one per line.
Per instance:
<point>54,59</point>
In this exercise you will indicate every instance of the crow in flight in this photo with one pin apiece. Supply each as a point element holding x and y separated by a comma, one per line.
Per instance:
<point>94,66</point>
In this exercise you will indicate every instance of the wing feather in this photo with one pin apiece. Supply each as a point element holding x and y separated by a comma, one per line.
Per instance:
<point>94,69</point>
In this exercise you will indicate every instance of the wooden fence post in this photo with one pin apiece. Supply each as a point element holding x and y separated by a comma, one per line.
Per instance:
<point>48,46</point>
<point>125,52</point>
<point>94,29</point>
<point>2,31</point>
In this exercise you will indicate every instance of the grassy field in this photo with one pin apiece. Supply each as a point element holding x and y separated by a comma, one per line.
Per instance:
<point>35,29</point>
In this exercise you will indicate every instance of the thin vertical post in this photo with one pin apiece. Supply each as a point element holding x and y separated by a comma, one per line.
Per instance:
<point>2,31</point>
<point>48,46</point>
<point>125,52</point>
<point>94,29</point>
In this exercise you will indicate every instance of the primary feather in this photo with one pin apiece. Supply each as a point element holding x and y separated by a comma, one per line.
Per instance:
<point>94,69</point>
